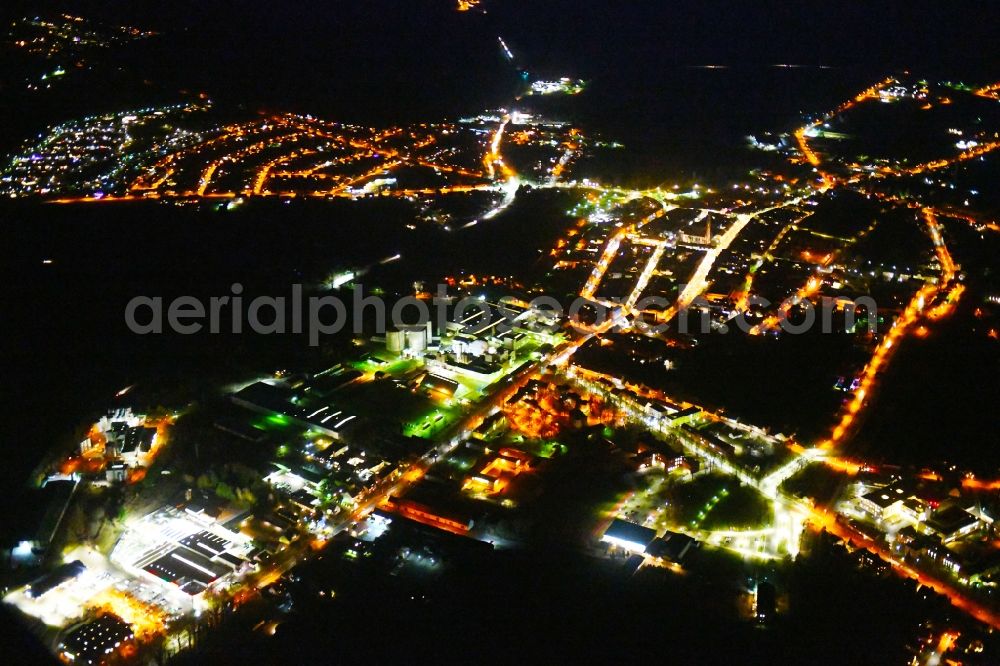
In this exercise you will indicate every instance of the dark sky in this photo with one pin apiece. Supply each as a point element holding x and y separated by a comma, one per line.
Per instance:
<point>387,60</point>
<point>896,34</point>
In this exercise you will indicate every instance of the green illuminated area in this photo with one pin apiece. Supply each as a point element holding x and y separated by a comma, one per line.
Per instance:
<point>702,504</point>
<point>710,503</point>
<point>460,461</point>
<point>431,423</point>
<point>382,364</point>
<point>541,448</point>
<point>707,508</point>
<point>272,422</point>
<point>476,387</point>
<point>389,393</point>
<point>601,201</point>
<point>387,363</point>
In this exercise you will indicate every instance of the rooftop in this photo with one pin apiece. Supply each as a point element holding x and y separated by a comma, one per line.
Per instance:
<point>623,531</point>
<point>951,520</point>
<point>92,642</point>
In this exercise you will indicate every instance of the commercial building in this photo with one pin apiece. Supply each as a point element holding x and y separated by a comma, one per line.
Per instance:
<point>683,417</point>
<point>448,519</point>
<point>953,523</point>
<point>631,537</point>
<point>672,546</point>
<point>55,578</point>
<point>491,425</point>
<point>190,551</point>
<point>134,443</point>
<point>97,641</point>
<point>493,472</point>
<point>765,601</point>
<point>881,504</point>
<point>116,471</point>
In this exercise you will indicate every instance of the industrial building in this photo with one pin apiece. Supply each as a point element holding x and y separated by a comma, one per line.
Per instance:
<point>280,400</point>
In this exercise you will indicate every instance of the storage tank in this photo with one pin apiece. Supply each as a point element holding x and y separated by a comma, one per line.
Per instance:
<point>394,341</point>
<point>416,340</point>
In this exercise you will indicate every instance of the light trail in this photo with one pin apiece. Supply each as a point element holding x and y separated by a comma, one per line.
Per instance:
<point>509,189</point>
<point>900,327</point>
<point>647,272</point>
<point>991,91</point>
<point>800,134</point>
<point>572,146</point>
<point>506,51</point>
<point>803,293</point>
<point>698,282</point>
<point>971,153</point>
<point>611,249</point>
<point>206,178</point>
<point>371,173</point>
<point>812,286</point>
<point>743,301</point>
<point>493,158</point>
<point>822,519</point>
<point>450,169</point>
